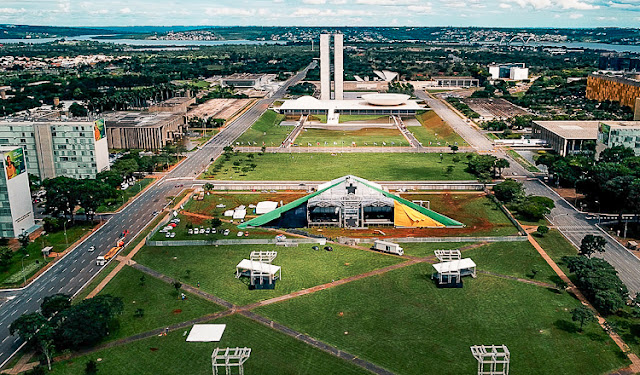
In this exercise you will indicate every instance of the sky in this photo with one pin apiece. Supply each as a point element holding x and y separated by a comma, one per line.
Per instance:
<point>493,13</point>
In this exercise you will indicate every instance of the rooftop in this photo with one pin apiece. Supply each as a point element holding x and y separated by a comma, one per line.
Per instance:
<point>250,76</point>
<point>309,102</point>
<point>572,129</point>
<point>139,119</point>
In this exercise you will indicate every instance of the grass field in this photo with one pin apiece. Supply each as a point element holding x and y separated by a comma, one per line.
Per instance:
<point>557,246</point>
<point>272,353</point>
<point>302,267</point>
<point>266,130</point>
<point>365,137</point>
<point>159,300</point>
<point>376,167</point>
<point>434,132</point>
<point>181,231</point>
<point>207,206</point>
<point>402,322</point>
<point>114,204</point>
<point>13,274</point>
<point>95,282</point>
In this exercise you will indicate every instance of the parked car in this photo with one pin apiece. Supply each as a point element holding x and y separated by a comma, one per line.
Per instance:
<point>195,231</point>
<point>173,234</point>
<point>213,231</point>
<point>167,235</point>
<point>190,231</point>
<point>207,231</point>
<point>226,232</point>
<point>240,234</point>
<point>316,248</point>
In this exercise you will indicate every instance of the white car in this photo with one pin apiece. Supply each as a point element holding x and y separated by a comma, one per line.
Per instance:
<point>195,231</point>
<point>173,234</point>
<point>92,248</point>
<point>167,235</point>
<point>240,234</point>
<point>226,232</point>
<point>207,231</point>
<point>213,231</point>
<point>190,231</point>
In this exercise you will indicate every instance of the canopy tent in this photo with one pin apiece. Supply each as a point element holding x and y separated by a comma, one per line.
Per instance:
<point>239,214</point>
<point>206,332</point>
<point>463,266</point>
<point>247,265</point>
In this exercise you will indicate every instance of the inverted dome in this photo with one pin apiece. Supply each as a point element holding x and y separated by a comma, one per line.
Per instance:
<point>386,99</point>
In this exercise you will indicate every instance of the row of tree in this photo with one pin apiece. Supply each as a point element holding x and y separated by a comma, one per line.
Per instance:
<point>530,207</point>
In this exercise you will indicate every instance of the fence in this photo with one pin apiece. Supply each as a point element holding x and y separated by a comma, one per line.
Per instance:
<point>248,241</point>
<point>346,240</point>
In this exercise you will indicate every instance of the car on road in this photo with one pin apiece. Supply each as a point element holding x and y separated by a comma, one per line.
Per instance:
<point>91,248</point>
<point>155,213</point>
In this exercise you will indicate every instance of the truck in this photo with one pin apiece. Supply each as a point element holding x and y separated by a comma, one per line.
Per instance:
<point>388,247</point>
<point>102,260</point>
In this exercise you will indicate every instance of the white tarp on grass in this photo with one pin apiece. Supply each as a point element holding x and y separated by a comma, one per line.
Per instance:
<point>266,206</point>
<point>206,332</point>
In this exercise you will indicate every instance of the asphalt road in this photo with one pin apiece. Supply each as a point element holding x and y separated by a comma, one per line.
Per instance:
<point>575,225</point>
<point>72,272</point>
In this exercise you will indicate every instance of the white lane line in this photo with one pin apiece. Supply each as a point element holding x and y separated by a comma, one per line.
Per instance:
<point>74,269</point>
<point>51,289</point>
<point>30,298</point>
<point>5,339</point>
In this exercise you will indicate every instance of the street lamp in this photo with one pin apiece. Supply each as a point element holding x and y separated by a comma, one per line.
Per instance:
<point>598,202</point>
<point>24,276</point>
<point>66,240</point>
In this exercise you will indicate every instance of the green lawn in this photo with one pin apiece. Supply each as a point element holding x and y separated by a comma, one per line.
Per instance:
<point>271,353</point>
<point>13,275</point>
<point>365,137</point>
<point>557,246</point>
<point>266,130</point>
<point>159,300</point>
<point>114,204</point>
<point>302,267</point>
<point>425,249</point>
<point>434,132</point>
<point>513,259</point>
<point>401,321</point>
<point>378,166</point>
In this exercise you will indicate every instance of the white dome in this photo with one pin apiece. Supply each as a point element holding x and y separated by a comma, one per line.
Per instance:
<point>386,99</point>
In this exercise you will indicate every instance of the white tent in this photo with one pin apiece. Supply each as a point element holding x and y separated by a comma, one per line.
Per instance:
<point>206,332</point>
<point>266,206</point>
<point>239,214</point>
<point>264,268</point>
<point>228,213</point>
<point>447,272</point>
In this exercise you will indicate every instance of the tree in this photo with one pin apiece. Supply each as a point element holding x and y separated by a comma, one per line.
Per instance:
<point>508,191</point>
<point>143,280</point>
<point>91,368</point>
<point>92,194</point>
<point>616,154</point>
<point>542,230</point>
<point>88,322</point>
<point>78,110</point>
<point>177,285</point>
<point>501,164</point>
<point>582,314</point>
<point>454,148</point>
<point>534,207</point>
<point>54,304</point>
<point>592,244</point>
<point>24,240</point>
<point>27,325</point>
<point>216,223</point>
<point>5,257</point>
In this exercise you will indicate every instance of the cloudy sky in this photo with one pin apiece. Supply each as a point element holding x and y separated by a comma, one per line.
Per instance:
<point>541,13</point>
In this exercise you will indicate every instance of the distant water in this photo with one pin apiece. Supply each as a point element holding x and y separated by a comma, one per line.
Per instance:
<point>584,45</point>
<point>143,42</point>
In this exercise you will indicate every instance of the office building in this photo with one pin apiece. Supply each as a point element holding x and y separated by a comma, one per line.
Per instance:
<point>624,89</point>
<point>566,137</point>
<point>619,63</point>
<point>325,67</point>
<point>76,149</point>
<point>144,130</point>
<point>246,80</point>
<point>516,72</point>
<point>16,210</point>
<point>178,104</point>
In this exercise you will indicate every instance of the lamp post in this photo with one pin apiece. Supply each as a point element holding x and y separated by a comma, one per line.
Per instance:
<point>24,276</point>
<point>598,202</point>
<point>66,240</point>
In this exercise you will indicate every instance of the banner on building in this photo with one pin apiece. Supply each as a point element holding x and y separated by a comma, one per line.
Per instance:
<point>14,163</point>
<point>99,130</point>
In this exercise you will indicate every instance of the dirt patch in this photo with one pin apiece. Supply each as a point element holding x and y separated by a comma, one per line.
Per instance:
<point>153,349</point>
<point>177,311</point>
<point>431,120</point>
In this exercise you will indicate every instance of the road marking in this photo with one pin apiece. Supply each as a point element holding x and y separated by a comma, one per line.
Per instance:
<point>5,339</point>
<point>74,269</point>
<point>51,289</point>
<point>30,298</point>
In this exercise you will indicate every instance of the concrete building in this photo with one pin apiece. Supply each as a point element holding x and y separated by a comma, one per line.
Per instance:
<point>446,82</point>
<point>76,149</point>
<point>619,63</point>
<point>16,210</point>
<point>566,137</point>
<point>624,89</point>
<point>325,67</point>
<point>516,72</point>
<point>178,104</point>
<point>143,130</point>
<point>392,105</point>
<point>619,133</point>
<point>246,80</point>
<point>338,70</point>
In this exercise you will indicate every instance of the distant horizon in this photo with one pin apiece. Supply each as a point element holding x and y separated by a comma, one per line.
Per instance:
<point>326,13</point>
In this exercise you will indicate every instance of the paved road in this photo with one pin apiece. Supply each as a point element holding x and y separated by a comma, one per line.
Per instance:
<point>574,225</point>
<point>73,271</point>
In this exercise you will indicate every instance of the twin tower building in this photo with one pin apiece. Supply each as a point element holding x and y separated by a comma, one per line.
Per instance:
<point>325,67</point>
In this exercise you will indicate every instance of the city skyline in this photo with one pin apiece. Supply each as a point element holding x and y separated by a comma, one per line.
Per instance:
<point>489,13</point>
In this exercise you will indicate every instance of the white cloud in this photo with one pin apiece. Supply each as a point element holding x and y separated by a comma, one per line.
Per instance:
<point>338,2</point>
<point>314,2</point>
<point>232,12</point>
<point>125,11</point>
<point>387,2</point>
<point>306,12</point>
<point>420,9</point>
<point>11,10</point>
<point>64,6</point>
<point>564,4</point>
<point>575,16</point>
<point>99,11</point>
<point>504,5</point>
<point>607,18</point>
<point>278,1</point>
